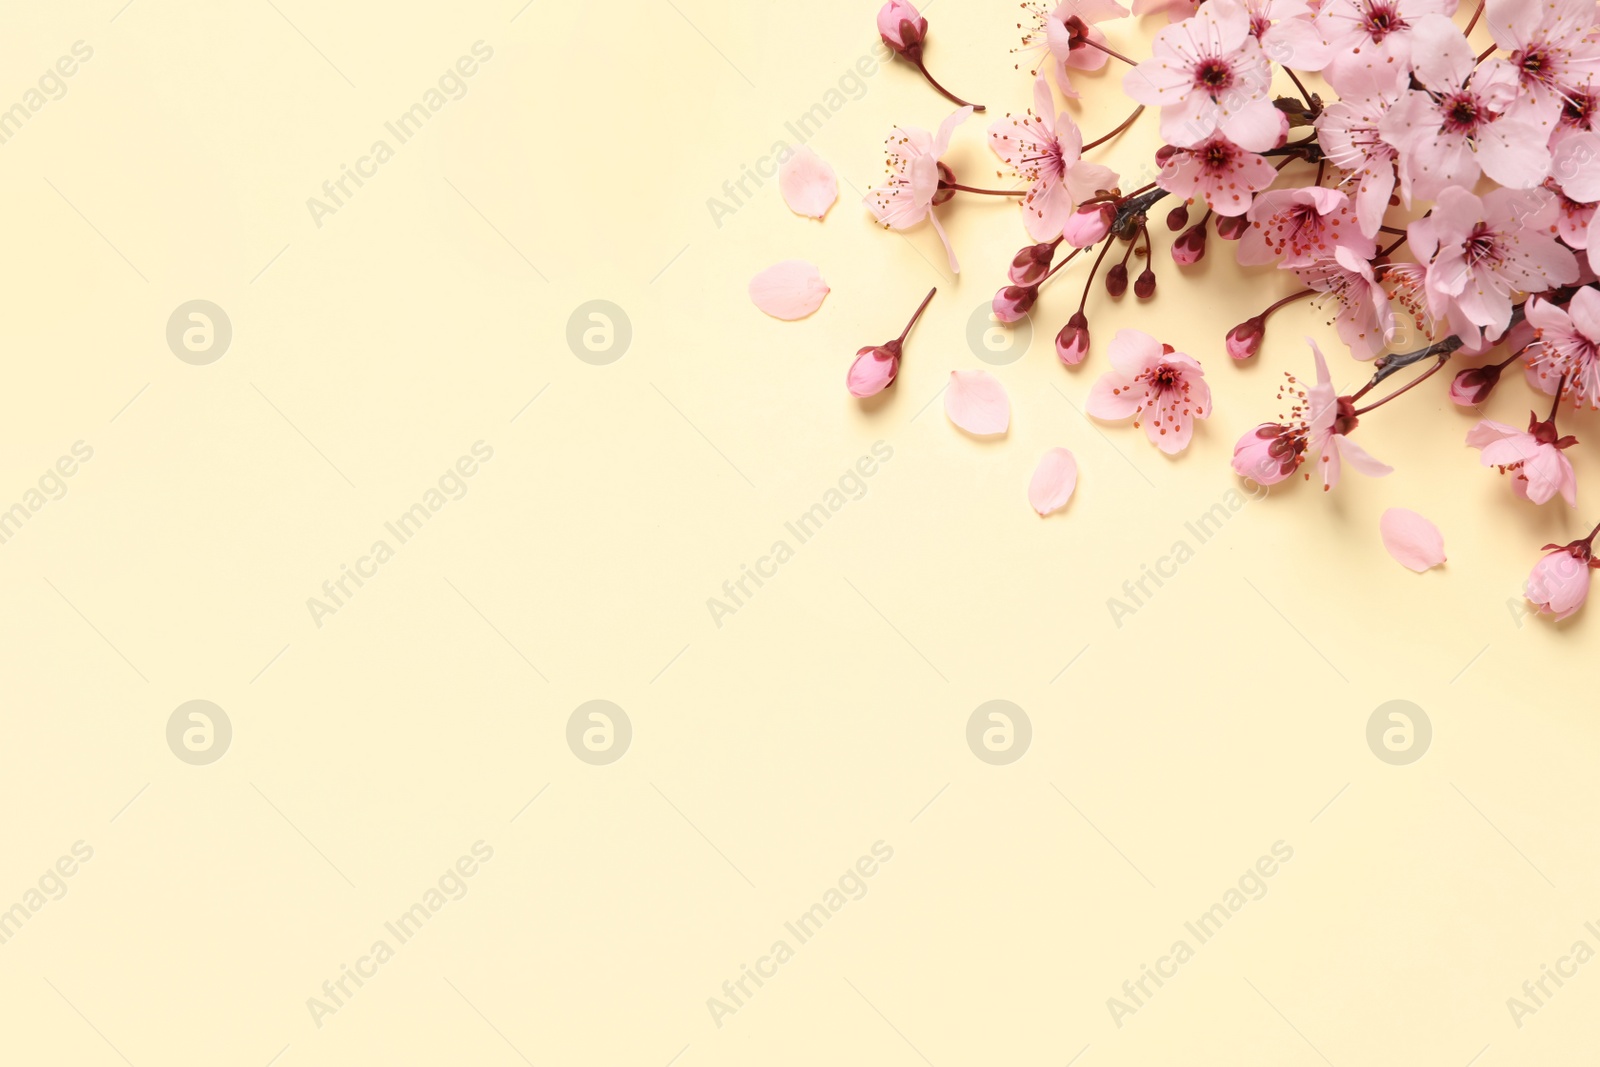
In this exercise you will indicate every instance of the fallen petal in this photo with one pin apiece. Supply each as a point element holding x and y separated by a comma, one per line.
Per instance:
<point>808,184</point>
<point>792,289</point>
<point>977,402</point>
<point>1411,539</point>
<point>1053,482</point>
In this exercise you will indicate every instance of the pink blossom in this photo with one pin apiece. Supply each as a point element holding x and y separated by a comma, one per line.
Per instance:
<point>1014,301</point>
<point>1559,583</point>
<point>1072,343</point>
<point>1348,132</point>
<point>1218,171</point>
<point>1552,48</point>
<point>1153,385</point>
<point>1481,251</point>
<point>1534,459</point>
<point>1208,74</point>
<point>901,26</point>
<point>1472,386</point>
<point>1287,33</point>
<point>1568,346</point>
<point>1066,31</point>
<point>907,197</point>
<point>1043,149</point>
<point>1089,224</point>
<point>1301,226</point>
<point>1454,128</point>
<point>1372,42</point>
<point>1175,9</point>
<point>1365,319</point>
<point>1244,340</point>
<point>1267,454</point>
<point>874,369</point>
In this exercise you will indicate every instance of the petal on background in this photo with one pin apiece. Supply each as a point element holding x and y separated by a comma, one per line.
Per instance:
<point>808,184</point>
<point>1411,539</point>
<point>1054,481</point>
<point>792,289</point>
<point>977,402</point>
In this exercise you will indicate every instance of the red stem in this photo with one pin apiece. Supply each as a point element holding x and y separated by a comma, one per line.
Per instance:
<point>985,192</point>
<point>1125,124</point>
<point>946,93</point>
<point>918,314</point>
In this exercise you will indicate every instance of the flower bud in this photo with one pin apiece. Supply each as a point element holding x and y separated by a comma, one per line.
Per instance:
<point>1559,583</point>
<point>1117,279</point>
<point>1029,266</point>
<point>1266,455</point>
<point>902,28</point>
<point>1190,247</point>
<point>1244,340</point>
<point>1232,227</point>
<point>1144,286</point>
<point>874,369</point>
<point>1089,224</point>
<point>1072,343</point>
<point>1471,387</point>
<point>1178,217</point>
<point>1013,302</point>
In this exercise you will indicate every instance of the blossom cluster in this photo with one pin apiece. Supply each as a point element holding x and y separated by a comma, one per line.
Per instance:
<point>1437,193</point>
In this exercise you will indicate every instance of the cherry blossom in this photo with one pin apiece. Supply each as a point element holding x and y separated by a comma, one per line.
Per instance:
<point>1219,171</point>
<point>1539,471</point>
<point>1157,387</point>
<point>1043,149</point>
<point>1568,346</point>
<point>908,196</point>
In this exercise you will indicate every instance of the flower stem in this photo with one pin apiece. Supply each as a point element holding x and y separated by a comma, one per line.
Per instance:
<point>1067,259</point>
<point>946,93</point>
<point>918,314</point>
<point>1112,52</point>
<point>1311,102</point>
<point>1291,298</point>
<point>1475,16</point>
<point>985,192</point>
<point>1125,124</point>
<point>1105,246</point>
<point>1440,360</point>
<point>1561,387</point>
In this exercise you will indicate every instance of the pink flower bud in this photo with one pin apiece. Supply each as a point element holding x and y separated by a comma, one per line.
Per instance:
<point>1013,302</point>
<point>1190,247</point>
<point>1559,583</point>
<point>1029,266</point>
<point>1471,387</point>
<point>1144,286</point>
<point>1244,340</point>
<point>1267,454</point>
<point>874,369</point>
<point>1088,224</point>
<point>1232,227</point>
<point>902,28</point>
<point>1178,217</point>
<point>1072,343</point>
<point>1117,279</point>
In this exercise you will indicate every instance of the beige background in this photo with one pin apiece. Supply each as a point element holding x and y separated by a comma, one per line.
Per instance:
<point>827,714</point>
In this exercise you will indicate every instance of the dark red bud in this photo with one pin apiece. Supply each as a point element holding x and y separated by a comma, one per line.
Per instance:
<point>1144,286</point>
<point>1178,218</point>
<point>1232,227</point>
<point>1117,279</point>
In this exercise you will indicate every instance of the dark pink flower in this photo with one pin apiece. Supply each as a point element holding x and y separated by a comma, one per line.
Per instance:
<point>1160,389</point>
<point>1551,45</point>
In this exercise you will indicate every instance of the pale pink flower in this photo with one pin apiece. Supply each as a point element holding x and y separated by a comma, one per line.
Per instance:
<point>1371,42</point>
<point>1208,74</point>
<point>1568,346</point>
<point>1454,128</point>
<point>1318,424</point>
<point>1539,470</point>
<point>1175,9</point>
<point>1479,252</point>
<point>1348,133</point>
<point>1218,171</point>
<point>1365,318</point>
<point>907,197</point>
<point>1573,219</point>
<point>1552,47</point>
<point>1287,33</point>
<point>1065,32</point>
<point>1043,148</point>
<point>1301,226</point>
<point>1559,583</point>
<point>1150,383</point>
<point>873,370</point>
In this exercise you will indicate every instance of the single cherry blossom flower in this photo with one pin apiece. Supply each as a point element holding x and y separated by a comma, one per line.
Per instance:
<point>1573,219</point>
<point>1209,75</point>
<point>1154,385</point>
<point>1043,149</point>
<point>1539,470</point>
<point>1348,133</point>
<point>876,366</point>
<point>904,30</point>
<point>1287,33</point>
<point>1300,227</point>
<point>1552,48</point>
<point>1454,128</point>
<point>914,179</point>
<point>1219,172</point>
<point>1480,251</point>
<point>1559,583</point>
<point>1364,319</point>
<point>1567,349</point>
<point>1069,34</point>
<point>1371,42</point>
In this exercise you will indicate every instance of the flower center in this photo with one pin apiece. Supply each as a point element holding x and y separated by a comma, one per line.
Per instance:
<point>1382,20</point>
<point>1213,75</point>
<point>1461,113</point>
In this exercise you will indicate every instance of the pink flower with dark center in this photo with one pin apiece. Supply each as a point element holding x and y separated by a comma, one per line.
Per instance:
<point>1161,389</point>
<point>1372,41</point>
<point>1567,348</point>
<point>1065,32</point>
<point>1365,319</point>
<point>913,185</point>
<point>1219,171</point>
<point>1552,48</point>
<point>1479,252</point>
<point>1301,226</point>
<point>1208,74</point>
<point>1539,470</point>
<point>1454,128</point>
<point>1348,133</point>
<point>1573,218</point>
<point>1043,148</point>
<point>1287,33</point>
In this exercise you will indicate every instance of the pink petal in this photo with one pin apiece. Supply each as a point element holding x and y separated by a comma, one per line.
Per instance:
<point>1411,539</point>
<point>1053,482</point>
<point>792,289</point>
<point>808,184</point>
<point>976,402</point>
